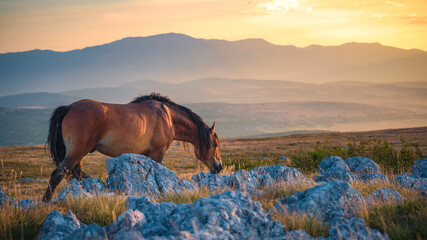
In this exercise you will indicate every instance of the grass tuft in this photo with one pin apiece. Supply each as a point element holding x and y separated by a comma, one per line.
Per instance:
<point>16,223</point>
<point>185,196</point>
<point>400,221</point>
<point>102,209</point>
<point>295,221</point>
<point>366,188</point>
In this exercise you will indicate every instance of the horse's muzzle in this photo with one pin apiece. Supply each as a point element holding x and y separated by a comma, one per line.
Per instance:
<point>216,168</point>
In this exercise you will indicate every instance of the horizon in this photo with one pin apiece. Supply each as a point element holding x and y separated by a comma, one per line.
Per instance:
<point>67,25</point>
<point>215,39</point>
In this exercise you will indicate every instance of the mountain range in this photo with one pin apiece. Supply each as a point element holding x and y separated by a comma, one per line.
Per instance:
<point>176,58</point>
<point>248,87</point>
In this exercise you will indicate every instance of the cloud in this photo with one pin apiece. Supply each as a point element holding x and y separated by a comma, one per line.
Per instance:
<point>279,6</point>
<point>394,4</point>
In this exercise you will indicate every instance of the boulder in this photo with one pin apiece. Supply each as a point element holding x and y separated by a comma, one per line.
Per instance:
<point>410,182</point>
<point>57,227</point>
<point>372,177</point>
<point>331,202</point>
<point>6,200</point>
<point>297,235</point>
<point>269,175</point>
<point>134,174</point>
<point>243,180</point>
<point>332,162</point>
<point>419,169</point>
<point>384,195</point>
<point>230,215</point>
<point>355,228</point>
<point>360,165</point>
<point>125,222</point>
<point>213,182</point>
<point>88,187</point>
<point>335,174</point>
<point>92,232</point>
<point>27,203</point>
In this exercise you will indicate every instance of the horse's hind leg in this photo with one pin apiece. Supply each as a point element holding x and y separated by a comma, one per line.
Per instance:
<point>58,174</point>
<point>78,173</point>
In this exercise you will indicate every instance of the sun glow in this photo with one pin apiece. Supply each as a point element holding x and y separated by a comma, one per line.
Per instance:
<point>279,6</point>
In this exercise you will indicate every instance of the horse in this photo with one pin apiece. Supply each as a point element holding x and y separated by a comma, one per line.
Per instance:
<point>147,125</point>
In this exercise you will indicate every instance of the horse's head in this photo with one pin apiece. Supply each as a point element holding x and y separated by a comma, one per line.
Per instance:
<point>211,156</point>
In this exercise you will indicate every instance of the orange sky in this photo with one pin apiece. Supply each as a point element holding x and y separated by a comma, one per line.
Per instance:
<point>69,24</point>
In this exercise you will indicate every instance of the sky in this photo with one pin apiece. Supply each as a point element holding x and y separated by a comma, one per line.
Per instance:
<point>72,24</point>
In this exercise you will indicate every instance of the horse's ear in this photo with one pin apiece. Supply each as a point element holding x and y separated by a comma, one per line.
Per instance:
<point>211,129</point>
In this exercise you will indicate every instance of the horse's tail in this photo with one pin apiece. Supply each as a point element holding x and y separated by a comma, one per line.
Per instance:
<point>54,138</point>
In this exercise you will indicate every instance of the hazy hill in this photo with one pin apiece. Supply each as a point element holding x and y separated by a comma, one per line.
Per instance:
<point>36,100</point>
<point>177,58</point>
<point>400,95</point>
<point>262,91</point>
<point>29,126</point>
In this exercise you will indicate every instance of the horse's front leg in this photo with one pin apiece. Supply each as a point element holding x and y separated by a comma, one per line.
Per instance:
<point>57,175</point>
<point>157,155</point>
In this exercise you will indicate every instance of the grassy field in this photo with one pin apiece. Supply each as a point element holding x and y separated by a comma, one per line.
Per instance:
<point>21,162</point>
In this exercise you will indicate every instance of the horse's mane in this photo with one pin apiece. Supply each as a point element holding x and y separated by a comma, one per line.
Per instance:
<point>205,141</point>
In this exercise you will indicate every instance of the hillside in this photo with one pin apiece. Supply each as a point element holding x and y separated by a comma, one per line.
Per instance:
<point>177,58</point>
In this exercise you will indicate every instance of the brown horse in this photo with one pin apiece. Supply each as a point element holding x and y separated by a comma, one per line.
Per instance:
<point>147,126</point>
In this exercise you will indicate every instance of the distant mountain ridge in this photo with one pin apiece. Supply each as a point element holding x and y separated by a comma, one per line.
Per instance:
<point>400,94</point>
<point>177,58</point>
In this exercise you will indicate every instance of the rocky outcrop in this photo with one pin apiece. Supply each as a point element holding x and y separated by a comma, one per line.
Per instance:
<point>360,165</point>
<point>134,174</point>
<point>355,228</point>
<point>418,178</point>
<point>24,204</point>
<point>419,169</point>
<point>58,227</point>
<point>384,195</point>
<point>243,180</point>
<point>124,223</point>
<point>332,162</point>
<point>335,174</point>
<point>331,202</point>
<point>352,169</point>
<point>231,215</point>
<point>410,182</point>
<point>92,232</point>
<point>6,200</point>
<point>88,187</point>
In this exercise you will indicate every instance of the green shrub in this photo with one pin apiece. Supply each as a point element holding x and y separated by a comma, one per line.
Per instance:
<point>238,162</point>
<point>309,161</point>
<point>392,158</point>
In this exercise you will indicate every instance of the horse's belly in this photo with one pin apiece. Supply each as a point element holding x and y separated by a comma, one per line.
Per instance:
<point>116,146</point>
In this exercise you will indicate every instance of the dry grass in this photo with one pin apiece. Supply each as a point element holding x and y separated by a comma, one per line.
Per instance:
<point>401,221</point>
<point>102,210</point>
<point>272,194</point>
<point>366,188</point>
<point>296,221</point>
<point>33,161</point>
<point>16,223</point>
<point>185,196</point>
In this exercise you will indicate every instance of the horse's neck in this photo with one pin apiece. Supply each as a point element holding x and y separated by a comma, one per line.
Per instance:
<point>185,129</point>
